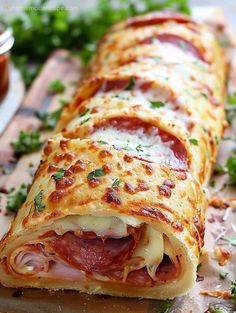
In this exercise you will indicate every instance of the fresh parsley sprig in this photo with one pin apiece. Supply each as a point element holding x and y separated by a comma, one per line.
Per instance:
<point>27,142</point>
<point>16,199</point>
<point>50,119</point>
<point>39,31</point>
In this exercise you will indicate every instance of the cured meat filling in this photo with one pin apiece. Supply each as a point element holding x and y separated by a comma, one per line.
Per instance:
<point>77,255</point>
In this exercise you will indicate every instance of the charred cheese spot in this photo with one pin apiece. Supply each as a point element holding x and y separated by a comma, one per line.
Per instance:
<point>148,168</point>
<point>153,213</point>
<point>52,168</point>
<point>105,154</point>
<point>127,158</point>
<point>177,225</point>
<point>169,182</point>
<point>64,182</point>
<point>68,157</point>
<point>94,182</point>
<point>107,168</point>
<point>164,191</point>
<point>111,197</point>
<point>57,195</point>
<point>48,149</point>
<point>64,144</point>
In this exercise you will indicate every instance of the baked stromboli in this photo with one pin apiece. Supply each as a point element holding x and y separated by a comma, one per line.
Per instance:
<point>117,203</point>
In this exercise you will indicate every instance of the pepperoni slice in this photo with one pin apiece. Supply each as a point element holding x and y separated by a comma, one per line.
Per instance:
<point>93,254</point>
<point>157,18</point>
<point>166,271</point>
<point>135,124</point>
<point>178,41</point>
<point>116,84</point>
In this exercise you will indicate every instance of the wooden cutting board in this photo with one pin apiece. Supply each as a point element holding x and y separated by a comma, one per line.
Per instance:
<point>60,65</point>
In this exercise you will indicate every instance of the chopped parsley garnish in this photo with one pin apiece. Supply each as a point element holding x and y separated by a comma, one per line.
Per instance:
<point>214,309</point>
<point>216,140</point>
<point>231,240</point>
<point>219,169</point>
<point>157,104</point>
<point>56,86</point>
<point>38,206</point>
<point>223,275</point>
<point>139,148</point>
<point>99,172</point>
<point>193,141</point>
<point>165,307</point>
<point>84,121</point>
<point>204,95</point>
<point>231,99</point>
<point>59,174</point>
<point>131,84</point>
<point>199,266</point>
<point>15,200</point>
<point>233,290</point>
<point>27,142</point>
<point>212,183</point>
<point>49,119</point>
<point>102,142</point>
<point>84,113</point>
<point>116,183</point>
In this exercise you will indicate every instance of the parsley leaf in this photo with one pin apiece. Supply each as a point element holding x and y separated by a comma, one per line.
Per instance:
<point>139,148</point>
<point>231,240</point>
<point>165,307</point>
<point>231,99</point>
<point>84,113</point>
<point>233,290</point>
<point>214,309</point>
<point>223,275</point>
<point>219,169</point>
<point>131,84</point>
<point>193,141</point>
<point>84,121</point>
<point>231,167</point>
<point>59,174</point>
<point>56,86</point>
<point>96,173</point>
<point>157,104</point>
<point>116,183</point>
<point>102,142</point>
<point>212,183</point>
<point>14,201</point>
<point>38,206</point>
<point>27,142</point>
<point>49,119</point>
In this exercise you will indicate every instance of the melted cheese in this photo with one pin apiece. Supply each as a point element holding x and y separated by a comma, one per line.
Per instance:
<point>101,226</point>
<point>154,148</point>
<point>151,248</point>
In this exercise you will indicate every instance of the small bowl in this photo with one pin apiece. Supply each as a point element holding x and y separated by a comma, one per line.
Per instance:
<point>6,43</point>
